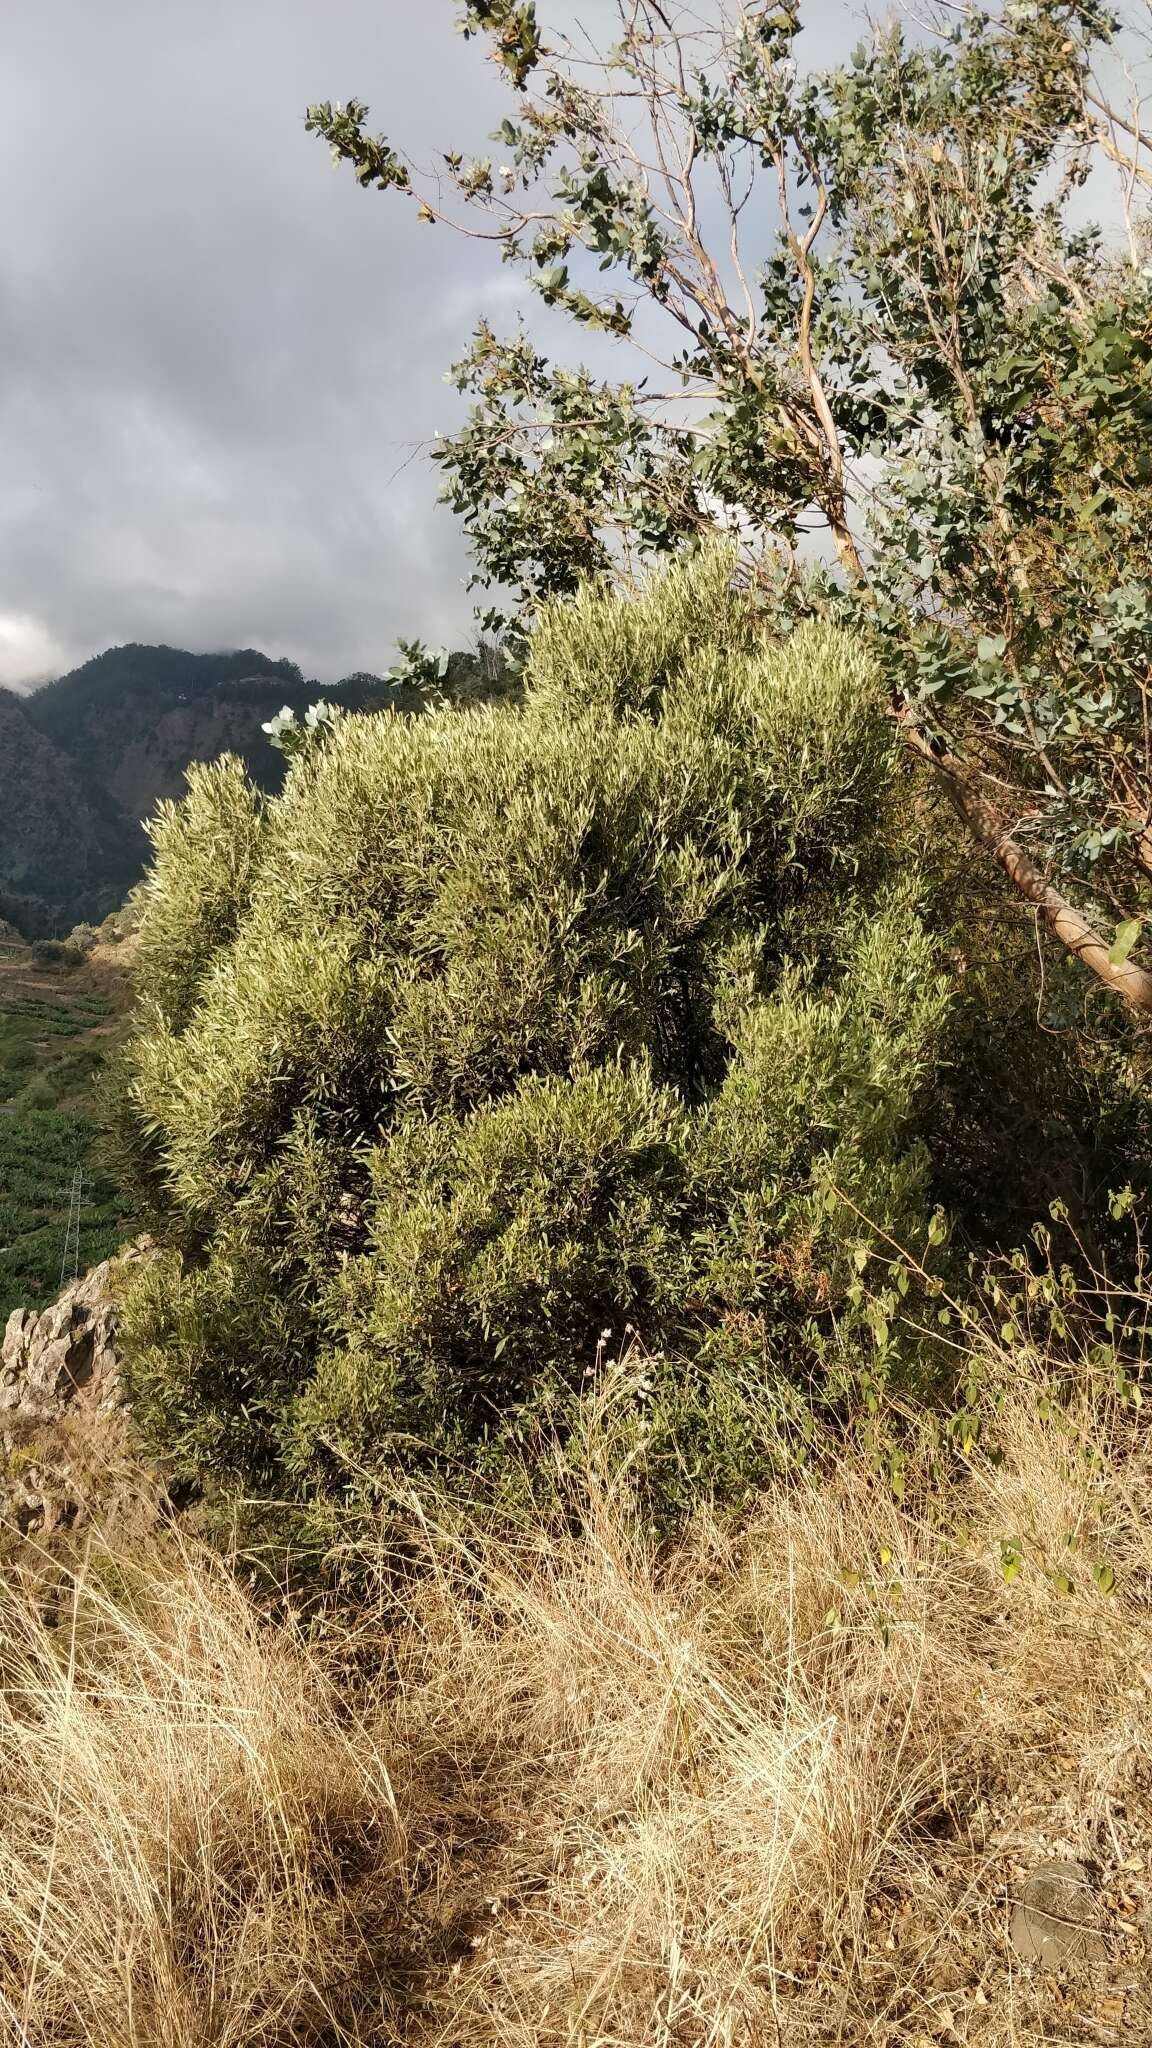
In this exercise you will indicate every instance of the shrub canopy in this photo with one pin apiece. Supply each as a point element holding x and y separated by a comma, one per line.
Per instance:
<point>507,1026</point>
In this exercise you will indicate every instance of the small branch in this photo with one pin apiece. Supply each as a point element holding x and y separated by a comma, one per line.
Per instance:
<point>835,508</point>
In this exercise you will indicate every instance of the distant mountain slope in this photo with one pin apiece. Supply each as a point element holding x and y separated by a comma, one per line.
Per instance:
<point>64,842</point>
<point>84,760</point>
<point>111,713</point>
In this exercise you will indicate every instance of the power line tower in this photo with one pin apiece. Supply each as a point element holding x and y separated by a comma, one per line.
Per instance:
<point>70,1257</point>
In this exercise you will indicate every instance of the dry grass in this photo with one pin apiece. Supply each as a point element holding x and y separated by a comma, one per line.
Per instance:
<point>776,1787</point>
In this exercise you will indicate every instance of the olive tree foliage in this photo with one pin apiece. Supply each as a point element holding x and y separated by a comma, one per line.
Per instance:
<point>508,1025</point>
<point>861,301</point>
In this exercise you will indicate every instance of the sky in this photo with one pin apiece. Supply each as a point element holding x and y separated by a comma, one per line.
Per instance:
<point>221,363</point>
<point>218,358</point>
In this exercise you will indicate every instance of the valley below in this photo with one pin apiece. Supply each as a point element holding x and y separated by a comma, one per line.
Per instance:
<point>56,1027</point>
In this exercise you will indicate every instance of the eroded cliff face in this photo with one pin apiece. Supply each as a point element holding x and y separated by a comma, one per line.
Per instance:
<point>151,764</point>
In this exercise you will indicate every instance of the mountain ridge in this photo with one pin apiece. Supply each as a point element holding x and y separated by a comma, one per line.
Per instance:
<point>86,757</point>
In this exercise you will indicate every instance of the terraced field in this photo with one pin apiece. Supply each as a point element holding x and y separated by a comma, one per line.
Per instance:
<point>56,1026</point>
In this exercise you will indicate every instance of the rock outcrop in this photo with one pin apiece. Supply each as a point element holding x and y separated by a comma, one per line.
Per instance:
<point>62,1426</point>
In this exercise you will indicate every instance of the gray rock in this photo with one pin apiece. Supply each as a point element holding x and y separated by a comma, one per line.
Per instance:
<point>1056,1918</point>
<point>60,1397</point>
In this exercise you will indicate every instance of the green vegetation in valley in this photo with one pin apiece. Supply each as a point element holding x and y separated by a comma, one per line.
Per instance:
<point>53,1039</point>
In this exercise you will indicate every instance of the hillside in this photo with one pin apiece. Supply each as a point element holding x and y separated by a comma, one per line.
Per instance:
<point>129,713</point>
<point>55,1028</point>
<point>86,758</point>
<point>65,845</point>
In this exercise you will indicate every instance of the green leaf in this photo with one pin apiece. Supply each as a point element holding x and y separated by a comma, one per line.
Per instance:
<point>1123,940</point>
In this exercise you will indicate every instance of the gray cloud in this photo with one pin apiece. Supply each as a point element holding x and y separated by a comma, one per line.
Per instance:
<point>218,358</point>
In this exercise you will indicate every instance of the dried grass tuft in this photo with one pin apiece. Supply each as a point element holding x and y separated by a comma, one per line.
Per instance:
<point>780,1785</point>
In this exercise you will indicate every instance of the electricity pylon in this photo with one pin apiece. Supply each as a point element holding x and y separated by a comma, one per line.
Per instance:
<point>71,1252</point>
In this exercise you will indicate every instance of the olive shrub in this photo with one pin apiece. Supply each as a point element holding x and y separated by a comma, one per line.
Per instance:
<point>504,1027</point>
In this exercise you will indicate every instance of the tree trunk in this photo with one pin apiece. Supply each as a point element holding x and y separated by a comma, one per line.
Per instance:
<point>961,786</point>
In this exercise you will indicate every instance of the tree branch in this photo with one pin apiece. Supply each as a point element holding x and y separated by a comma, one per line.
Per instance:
<point>1132,983</point>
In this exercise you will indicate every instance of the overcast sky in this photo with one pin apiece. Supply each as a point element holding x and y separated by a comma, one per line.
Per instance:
<point>218,358</point>
<point>216,354</point>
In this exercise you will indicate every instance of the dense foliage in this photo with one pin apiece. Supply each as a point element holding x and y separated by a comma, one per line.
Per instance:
<point>504,1025</point>
<point>877,311</point>
<point>641,995</point>
<point>500,1029</point>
